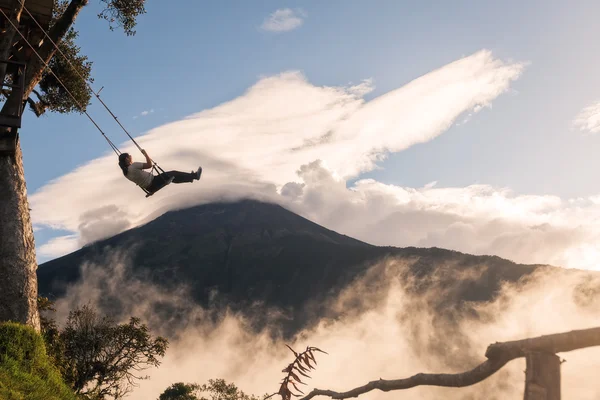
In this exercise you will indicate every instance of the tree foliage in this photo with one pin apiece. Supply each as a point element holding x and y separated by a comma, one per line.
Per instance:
<point>216,389</point>
<point>97,357</point>
<point>50,332</point>
<point>180,391</point>
<point>302,364</point>
<point>75,73</point>
<point>123,13</point>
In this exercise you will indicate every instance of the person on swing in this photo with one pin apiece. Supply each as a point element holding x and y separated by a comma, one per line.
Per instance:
<point>134,171</point>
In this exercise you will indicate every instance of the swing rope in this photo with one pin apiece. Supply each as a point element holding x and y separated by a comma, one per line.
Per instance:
<point>112,145</point>
<point>96,94</point>
<point>155,166</point>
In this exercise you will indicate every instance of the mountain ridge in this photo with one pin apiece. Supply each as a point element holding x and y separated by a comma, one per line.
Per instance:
<point>249,252</point>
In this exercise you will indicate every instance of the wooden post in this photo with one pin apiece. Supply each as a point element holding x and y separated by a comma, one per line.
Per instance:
<point>8,143</point>
<point>542,376</point>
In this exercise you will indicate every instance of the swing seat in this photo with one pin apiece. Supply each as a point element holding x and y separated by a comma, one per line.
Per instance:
<point>162,185</point>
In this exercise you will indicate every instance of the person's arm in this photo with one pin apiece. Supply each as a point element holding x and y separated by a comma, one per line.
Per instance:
<point>148,163</point>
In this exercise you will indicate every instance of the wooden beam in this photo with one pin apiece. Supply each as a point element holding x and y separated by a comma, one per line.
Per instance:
<point>40,9</point>
<point>8,143</point>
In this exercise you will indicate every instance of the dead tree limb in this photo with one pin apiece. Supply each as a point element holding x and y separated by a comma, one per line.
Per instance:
<point>498,354</point>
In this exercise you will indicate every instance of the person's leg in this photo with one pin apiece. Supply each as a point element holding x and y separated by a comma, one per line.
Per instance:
<point>162,179</point>
<point>181,177</point>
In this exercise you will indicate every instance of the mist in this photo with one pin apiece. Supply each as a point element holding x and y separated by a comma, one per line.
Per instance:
<point>387,324</point>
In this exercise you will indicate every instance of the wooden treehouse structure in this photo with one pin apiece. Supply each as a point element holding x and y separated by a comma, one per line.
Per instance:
<point>13,67</point>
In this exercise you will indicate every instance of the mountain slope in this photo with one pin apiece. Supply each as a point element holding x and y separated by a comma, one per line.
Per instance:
<point>250,252</point>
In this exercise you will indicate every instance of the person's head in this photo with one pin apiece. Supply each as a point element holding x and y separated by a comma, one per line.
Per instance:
<point>124,162</point>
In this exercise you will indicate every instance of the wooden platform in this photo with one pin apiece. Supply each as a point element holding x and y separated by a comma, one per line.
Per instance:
<point>41,10</point>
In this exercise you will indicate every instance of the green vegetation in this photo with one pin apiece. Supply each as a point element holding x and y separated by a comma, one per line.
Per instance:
<point>216,389</point>
<point>52,95</point>
<point>91,358</point>
<point>180,391</point>
<point>26,372</point>
<point>97,357</point>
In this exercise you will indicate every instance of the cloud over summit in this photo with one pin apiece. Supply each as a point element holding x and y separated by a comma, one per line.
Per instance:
<point>254,146</point>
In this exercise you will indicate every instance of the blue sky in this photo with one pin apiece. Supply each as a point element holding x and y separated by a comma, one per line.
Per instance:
<point>205,53</point>
<point>197,55</point>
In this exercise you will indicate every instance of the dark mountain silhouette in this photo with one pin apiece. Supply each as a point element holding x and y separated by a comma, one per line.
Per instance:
<point>251,252</point>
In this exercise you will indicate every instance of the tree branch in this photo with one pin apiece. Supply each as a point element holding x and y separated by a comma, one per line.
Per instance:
<point>38,108</point>
<point>38,94</point>
<point>498,355</point>
<point>36,67</point>
<point>477,374</point>
<point>556,343</point>
<point>47,50</point>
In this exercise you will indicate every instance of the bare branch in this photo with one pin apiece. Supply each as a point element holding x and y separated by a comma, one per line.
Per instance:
<point>38,94</point>
<point>37,107</point>
<point>498,355</point>
<point>477,374</point>
<point>556,343</point>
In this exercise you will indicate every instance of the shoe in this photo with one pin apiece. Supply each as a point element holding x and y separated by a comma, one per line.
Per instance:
<point>198,173</point>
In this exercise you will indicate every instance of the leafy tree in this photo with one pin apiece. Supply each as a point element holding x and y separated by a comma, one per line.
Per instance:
<point>180,391</point>
<point>51,333</point>
<point>75,73</point>
<point>42,93</point>
<point>97,357</point>
<point>216,389</point>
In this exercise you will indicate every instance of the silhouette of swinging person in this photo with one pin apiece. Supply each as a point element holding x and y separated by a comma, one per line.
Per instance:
<point>134,171</point>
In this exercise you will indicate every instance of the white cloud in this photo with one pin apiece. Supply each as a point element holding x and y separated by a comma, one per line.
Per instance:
<point>288,141</point>
<point>362,89</point>
<point>253,145</point>
<point>144,113</point>
<point>478,219</point>
<point>588,119</point>
<point>283,20</point>
<point>58,246</point>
